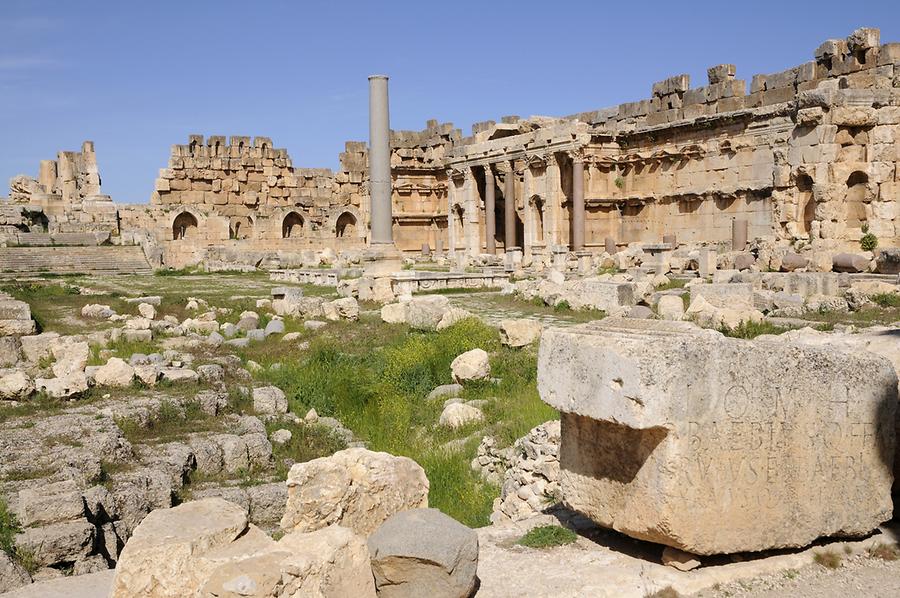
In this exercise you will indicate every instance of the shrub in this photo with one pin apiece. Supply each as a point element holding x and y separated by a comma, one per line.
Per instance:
<point>886,299</point>
<point>9,527</point>
<point>547,536</point>
<point>884,552</point>
<point>748,330</point>
<point>666,592</point>
<point>619,182</point>
<point>868,242</point>
<point>563,306</point>
<point>828,559</point>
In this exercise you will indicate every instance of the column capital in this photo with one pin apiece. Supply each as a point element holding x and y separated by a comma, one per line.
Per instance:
<point>576,155</point>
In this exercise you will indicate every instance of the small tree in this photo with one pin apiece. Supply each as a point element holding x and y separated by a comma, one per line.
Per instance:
<point>868,242</point>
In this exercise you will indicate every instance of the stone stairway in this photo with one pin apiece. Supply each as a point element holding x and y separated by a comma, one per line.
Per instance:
<point>106,259</point>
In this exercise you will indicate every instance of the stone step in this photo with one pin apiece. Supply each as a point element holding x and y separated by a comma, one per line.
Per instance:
<point>128,259</point>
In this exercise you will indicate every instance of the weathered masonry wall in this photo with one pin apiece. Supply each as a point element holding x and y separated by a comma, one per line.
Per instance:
<point>806,155</point>
<point>809,153</point>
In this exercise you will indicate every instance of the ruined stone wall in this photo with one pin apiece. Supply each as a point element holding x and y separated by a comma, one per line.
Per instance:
<point>64,199</point>
<point>808,154</point>
<point>420,185</point>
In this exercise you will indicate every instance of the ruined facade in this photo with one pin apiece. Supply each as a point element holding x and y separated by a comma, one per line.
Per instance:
<point>63,205</point>
<point>809,154</point>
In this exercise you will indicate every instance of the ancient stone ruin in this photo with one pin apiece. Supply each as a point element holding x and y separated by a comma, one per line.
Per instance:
<point>808,154</point>
<point>684,437</point>
<point>645,351</point>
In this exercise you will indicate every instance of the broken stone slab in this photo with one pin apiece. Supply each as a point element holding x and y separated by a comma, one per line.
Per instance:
<point>730,295</point>
<point>445,390</point>
<point>888,260</point>
<point>471,365</point>
<point>716,445</point>
<point>603,295</point>
<point>850,262</point>
<point>355,488</point>
<point>422,552</point>
<point>519,332</point>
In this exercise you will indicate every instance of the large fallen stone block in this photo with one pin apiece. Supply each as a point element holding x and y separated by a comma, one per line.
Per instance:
<point>331,562</point>
<point>423,552</point>
<point>717,445</point>
<point>729,295</point>
<point>593,293</point>
<point>355,488</point>
<point>169,553</point>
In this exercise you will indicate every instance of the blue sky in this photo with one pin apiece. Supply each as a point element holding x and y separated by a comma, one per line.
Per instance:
<point>137,77</point>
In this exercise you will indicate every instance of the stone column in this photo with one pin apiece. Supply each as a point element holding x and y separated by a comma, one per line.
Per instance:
<point>509,213</point>
<point>379,162</point>
<point>47,175</point>
<point>490,224</point>
<point>577,201</point>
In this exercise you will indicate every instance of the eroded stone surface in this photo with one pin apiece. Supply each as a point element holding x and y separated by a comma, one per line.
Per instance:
<point>717,445</point>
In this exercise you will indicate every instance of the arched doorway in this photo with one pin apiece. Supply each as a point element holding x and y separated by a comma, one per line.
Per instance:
<point>292,226</point>
<point>855,203</point>
<point>240,227</point>
<point>184,226</point>
<point>345,226</point>
<point>538,204</point>
<point>806,204</point>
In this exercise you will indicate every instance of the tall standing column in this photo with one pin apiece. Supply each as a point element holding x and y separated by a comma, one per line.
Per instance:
<point>577,202</point>
<point>380,162</point>
<point>509,205</point>
<point>490,221</point>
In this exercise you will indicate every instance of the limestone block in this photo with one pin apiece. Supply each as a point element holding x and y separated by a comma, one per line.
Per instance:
<point>593,293</point>
<point>718,445</point>
<point>116,372</point>
<point>670,307</point>
<point>50,503</point>
<point>329,562</point>
<point>850,262</point>
<point>520,332</point>
<point>58,542</point>
<point>164,556</point>
<point>394,313</point>
<point>355,488</point>
<point>425,312</point>
<point>16,385</point>
<point>422,552</point>
<point>457,415</point>
<point>269,400</point>
<point>471,365</point>
<point>730,295</point>
<point>12,575</point>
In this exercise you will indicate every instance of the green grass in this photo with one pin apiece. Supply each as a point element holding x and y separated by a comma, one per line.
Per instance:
<point>308,442</point>
<point>374,378</point>
<point>537,307</point>
<point>675,283</point>
<point>748,330</point>
<point>171,421</point>
<point>886,299</point>
<point>867,316</point>
<point>121,348</point>
<point>9,527</point>
<point>547,536</point>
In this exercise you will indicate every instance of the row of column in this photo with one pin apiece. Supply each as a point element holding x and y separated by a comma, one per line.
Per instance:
<point>509,215</point>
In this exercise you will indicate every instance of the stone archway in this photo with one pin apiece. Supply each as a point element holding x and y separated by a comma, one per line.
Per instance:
<point>345,226</point>
<point>292,226</point>
<point>855,202</point>
<point>806,203</point>
<point>185,226</point>
<point>240,227</point>
<point>537,204</point>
